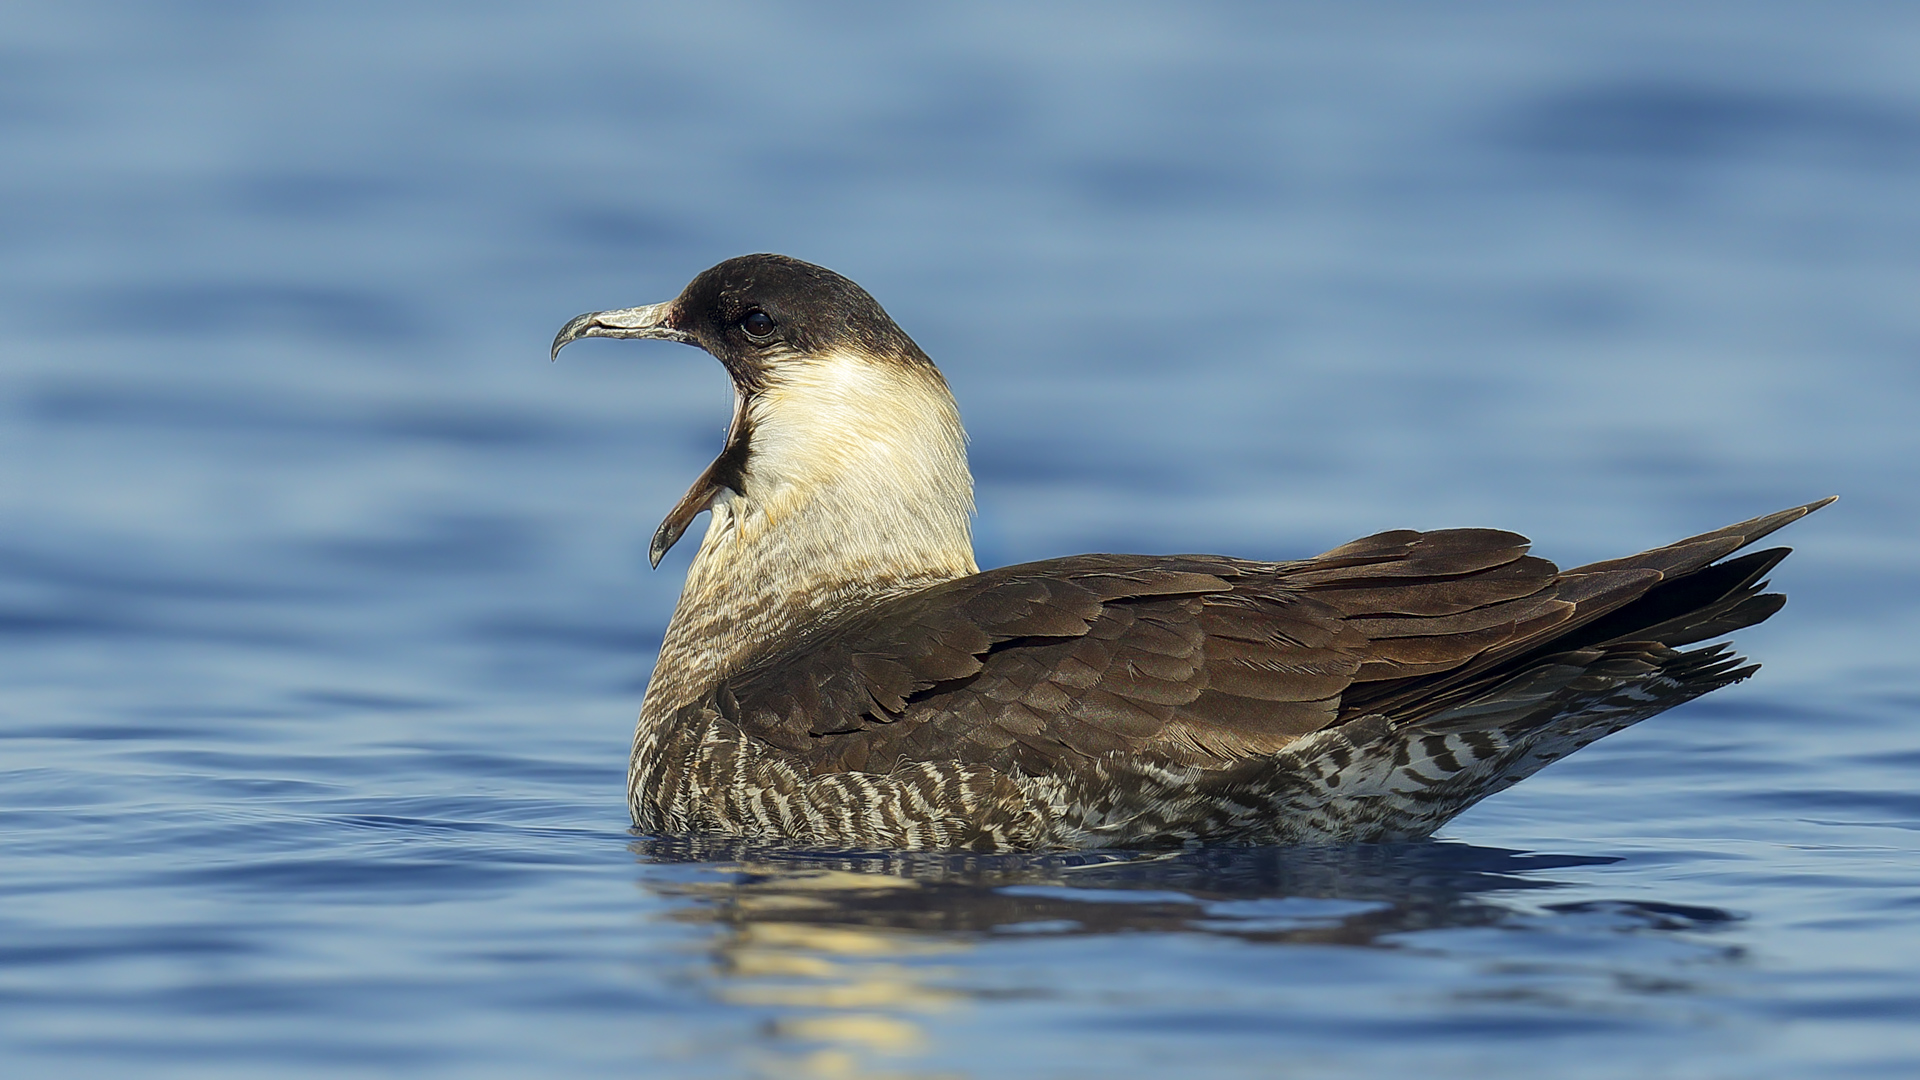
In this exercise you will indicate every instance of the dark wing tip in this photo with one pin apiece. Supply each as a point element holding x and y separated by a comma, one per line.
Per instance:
<point>1758,527</point>
<point>1683,557</point>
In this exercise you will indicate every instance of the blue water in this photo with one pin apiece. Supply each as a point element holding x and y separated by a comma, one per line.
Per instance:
<point>324,610</point>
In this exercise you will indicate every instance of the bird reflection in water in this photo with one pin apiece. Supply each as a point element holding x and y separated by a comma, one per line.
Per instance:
<point>853,954</point>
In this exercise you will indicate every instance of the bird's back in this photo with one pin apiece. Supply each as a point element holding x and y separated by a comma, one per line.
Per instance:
<point>1372,692</point>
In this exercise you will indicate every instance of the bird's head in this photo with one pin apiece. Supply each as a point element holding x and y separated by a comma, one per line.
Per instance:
<point>835,408</point>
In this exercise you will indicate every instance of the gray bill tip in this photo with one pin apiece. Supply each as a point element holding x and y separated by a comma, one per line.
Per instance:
<point>575,329</point>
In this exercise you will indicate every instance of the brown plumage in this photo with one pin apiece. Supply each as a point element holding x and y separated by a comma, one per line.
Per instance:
<point>838,672</point>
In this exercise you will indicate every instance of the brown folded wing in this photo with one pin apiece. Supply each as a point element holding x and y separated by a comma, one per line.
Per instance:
<point>1201,660</point>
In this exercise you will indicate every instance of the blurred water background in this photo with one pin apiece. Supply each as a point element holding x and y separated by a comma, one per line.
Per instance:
<point>323,595</point>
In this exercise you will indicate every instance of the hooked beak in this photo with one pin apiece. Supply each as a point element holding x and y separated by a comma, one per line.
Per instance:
<point>648,321</point>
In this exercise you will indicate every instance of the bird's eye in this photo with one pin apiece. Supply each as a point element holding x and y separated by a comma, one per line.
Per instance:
<point>757,324</point>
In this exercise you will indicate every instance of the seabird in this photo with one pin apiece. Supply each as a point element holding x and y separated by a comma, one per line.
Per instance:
<point>840,673</point>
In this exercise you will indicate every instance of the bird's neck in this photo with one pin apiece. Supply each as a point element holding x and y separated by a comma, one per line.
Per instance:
<point>855,488</point>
